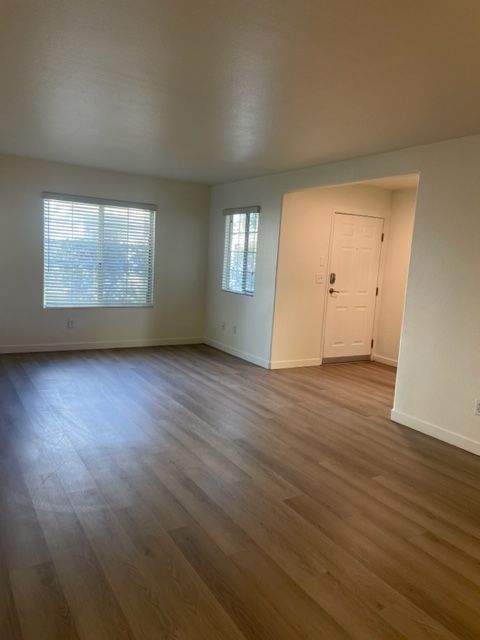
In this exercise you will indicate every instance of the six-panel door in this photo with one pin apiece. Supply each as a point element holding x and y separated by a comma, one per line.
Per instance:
<point>355,258</point>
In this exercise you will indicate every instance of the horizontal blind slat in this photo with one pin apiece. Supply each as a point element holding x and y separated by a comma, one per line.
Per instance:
<point>97,253</point>
<point>106,202</point>
<point>240,247</point>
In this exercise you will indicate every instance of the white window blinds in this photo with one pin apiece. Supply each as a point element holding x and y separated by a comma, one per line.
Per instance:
<point>240,251</point>
<point>97,253</point>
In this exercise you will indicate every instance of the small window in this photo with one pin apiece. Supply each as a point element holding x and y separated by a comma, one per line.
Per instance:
<point>239,261</point>
<point>97,253</point>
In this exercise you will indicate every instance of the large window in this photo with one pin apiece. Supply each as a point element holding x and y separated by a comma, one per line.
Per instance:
<point>240,256</point>
<point>97,253</point>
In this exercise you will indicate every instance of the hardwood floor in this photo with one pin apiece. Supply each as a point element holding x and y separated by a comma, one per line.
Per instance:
<point>180,493</point>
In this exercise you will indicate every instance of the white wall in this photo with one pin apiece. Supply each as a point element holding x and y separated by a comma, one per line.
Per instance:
<point>439,361</point>
<point>398,243</point>
<point>304,239</point>
<point>180,269</point>
<point>252,316</point>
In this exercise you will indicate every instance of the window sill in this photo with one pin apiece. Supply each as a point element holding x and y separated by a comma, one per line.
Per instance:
<point>92,306</point>
<point>239,293</point>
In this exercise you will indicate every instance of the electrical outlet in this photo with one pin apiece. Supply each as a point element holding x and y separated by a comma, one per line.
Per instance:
<point>234,328</point>
<point>477,407</point>
<point>70,324</point>
<point>223,326</point>
<point>319,278</point>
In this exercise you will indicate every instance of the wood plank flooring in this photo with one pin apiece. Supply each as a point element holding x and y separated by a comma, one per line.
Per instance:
<point>180,493</point>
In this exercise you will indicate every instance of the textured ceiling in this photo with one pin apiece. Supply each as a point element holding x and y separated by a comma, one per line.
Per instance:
<point>216,90</point>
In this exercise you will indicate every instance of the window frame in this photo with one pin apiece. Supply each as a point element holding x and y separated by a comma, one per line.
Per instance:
<point>227,254</point>
<point>102,203</point>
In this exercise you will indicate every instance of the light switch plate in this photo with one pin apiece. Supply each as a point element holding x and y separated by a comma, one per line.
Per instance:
<point>477,407</point>
<point>319,278</point>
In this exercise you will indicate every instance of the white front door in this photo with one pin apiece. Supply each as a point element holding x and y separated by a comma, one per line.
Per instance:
<point>351,285</point>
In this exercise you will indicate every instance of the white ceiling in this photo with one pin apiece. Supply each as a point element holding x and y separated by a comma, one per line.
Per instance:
<point>215,90</point>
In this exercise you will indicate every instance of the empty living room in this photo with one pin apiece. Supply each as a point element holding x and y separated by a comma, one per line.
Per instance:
<point>239,320</point>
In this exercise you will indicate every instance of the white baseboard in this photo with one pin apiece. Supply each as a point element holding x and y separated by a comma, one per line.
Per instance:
<point>103,344</point>
<point>244,355</point>
<point>383,360</point>
<point>473,446</point>
<point>290,364</point>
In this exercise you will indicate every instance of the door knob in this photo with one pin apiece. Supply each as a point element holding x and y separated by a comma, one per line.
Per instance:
<point>332,290</point>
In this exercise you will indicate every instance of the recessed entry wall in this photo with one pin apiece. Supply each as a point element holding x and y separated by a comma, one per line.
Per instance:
<point>302,272</point>
<point>394,275</point>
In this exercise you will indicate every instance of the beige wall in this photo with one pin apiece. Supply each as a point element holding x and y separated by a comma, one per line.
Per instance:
<point>304,240</point>
<point>398,243</point>
<point>439,362</point>
<point>180,269</point>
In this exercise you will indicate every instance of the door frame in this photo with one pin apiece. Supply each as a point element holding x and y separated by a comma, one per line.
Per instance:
<point>381,269</point>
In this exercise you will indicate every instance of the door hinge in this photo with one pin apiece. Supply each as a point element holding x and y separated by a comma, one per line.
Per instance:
<point>383,236</point>
<point>376,292</point>
<point>371,343</point>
